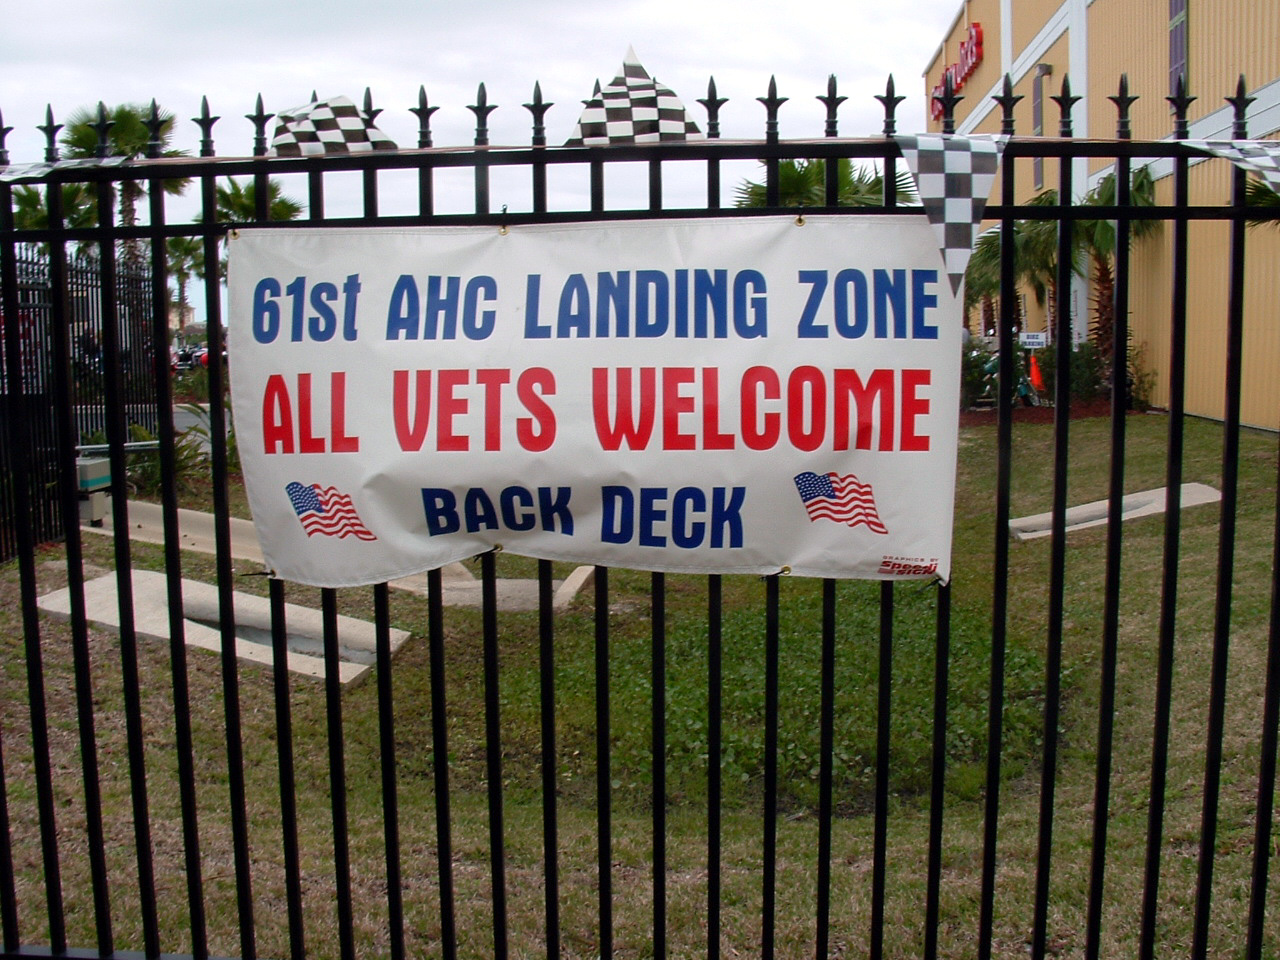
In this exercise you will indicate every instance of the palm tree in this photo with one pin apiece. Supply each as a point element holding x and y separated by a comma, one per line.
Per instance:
<point>1258,194</point>
<point>237,203</point>
<point>1035,263</point>
<point>803,183</point>
<point>1097,238</point>
<point>186,260</point>
<point>130,137</point>
<point>31,212</point>
<point>982,281</point>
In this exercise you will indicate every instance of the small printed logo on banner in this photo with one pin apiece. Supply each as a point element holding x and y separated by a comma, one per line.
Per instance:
<point>908,566</point>
<point>841,499</point>
<point>326,511</point>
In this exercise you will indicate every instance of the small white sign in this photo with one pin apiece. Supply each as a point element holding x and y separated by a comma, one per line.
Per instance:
<point>1033,341</point>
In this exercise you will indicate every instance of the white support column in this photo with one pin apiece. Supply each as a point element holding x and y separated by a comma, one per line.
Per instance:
<point>1078,58</point>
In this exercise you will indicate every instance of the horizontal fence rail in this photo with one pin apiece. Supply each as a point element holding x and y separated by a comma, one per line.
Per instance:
<point>1069,749</point>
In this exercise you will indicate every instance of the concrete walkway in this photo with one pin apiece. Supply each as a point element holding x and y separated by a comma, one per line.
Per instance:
<point>461,588</point>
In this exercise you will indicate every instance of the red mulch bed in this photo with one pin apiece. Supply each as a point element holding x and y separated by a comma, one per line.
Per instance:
<point>1079,410</point>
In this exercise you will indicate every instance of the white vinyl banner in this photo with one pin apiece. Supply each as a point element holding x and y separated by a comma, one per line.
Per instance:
<point>737,395</point>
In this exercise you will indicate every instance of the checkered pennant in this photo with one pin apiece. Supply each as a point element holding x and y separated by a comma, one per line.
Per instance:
<point>954,176</point>
<point>1257,156</point>
<point>36,171</point>
<point>335,125</point>
<point>634,108</point>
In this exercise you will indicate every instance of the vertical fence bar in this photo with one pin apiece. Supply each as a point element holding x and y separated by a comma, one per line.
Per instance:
<point>938,777</point>
<point>1000,572</point>
<point>426,186</point>
<point>1267,765</point>
<point>387,755</point>
<point>493,753</point>
<point>1172,539</point>
<point>1058,547</point>
<point>116,437</point>
<point>337,774</point>
<point>226,580</point>
<point>1226,549</point>
<point>770,879</point>
<point>1115,538</point>
<point>604,786</point>
<point>284,762</point>
<point>658,598</point>
<point>183,736</point>
<point>8,889</point>
<point>547,712</point>
<point>884,708</point>
<point>17,424</point>
<point>715,683</point>
<point>85,713</point>
<point>712,105</point>
<point>826,765</point>
<point>440,763</point>
<point>597,182</point>
<point>315,195</point>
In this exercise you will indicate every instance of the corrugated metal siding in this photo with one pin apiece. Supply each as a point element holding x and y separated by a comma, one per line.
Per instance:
<point>1228,38</point>
<point>1029,16</point>
<point>1129,37</point>
<point>1207,278</point>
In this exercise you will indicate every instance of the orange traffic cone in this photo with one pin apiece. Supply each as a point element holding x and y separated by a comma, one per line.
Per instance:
<point>1037,381</point>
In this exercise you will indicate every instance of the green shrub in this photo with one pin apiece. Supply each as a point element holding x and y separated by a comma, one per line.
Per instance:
<point>1087,372</point>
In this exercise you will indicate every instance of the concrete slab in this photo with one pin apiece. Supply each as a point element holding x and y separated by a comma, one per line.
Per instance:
<point>196,532</point>
<point>1141,504</point>
<point>356,638</point>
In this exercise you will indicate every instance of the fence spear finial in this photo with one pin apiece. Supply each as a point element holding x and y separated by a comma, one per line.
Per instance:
<point>423,112</point>
<point>1181,104</point>
<point>50,131</point>
<point>832,102</point>
<point>102,126</point>
<point>771,104</point>
<point>1065,102</point>
<point>370,114</point>
<point>890,100</point>
<point>539,108</point>
<point>1123,102</point>
<point>948,100</point>
<point>154,124</point>
<point>1007,100</point>
<point>259,119</point>
<point>712,104</point>
<point>1240,103</point>
<point>4,132</point>
<point>482,108</point>
<point>205,122</point>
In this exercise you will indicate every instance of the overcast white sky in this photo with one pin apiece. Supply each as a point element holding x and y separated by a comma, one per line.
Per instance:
<point>73,53</point>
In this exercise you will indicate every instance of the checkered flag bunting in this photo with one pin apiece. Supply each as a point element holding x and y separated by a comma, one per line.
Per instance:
<point>35,171</point>
<point>954,176</point>
<point>1257,156</point>
<point>335,125</point>
<point>634,108</point>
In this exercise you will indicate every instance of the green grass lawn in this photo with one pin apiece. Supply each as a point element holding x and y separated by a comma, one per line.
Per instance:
<point>742,759</point>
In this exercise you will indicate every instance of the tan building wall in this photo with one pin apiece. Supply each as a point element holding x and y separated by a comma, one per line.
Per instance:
<point>1226,38</point>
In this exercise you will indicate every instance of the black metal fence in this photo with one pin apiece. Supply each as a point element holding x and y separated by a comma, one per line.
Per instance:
<point>82,311</point>
<point>1041,756</point>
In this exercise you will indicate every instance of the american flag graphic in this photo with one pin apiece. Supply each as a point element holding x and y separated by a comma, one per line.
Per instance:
<point>326,511</point>
<point>830,496</point>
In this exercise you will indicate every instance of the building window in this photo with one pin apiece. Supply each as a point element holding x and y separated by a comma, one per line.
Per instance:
<point>1177,43</point>
<point>1037,119</point>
